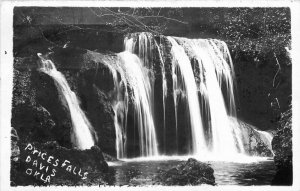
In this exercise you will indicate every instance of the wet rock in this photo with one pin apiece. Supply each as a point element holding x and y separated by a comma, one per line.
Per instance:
<point>15,150</point>
<point>109,158</point>
<point>99,111</point>
<point>14,135</point>
<point>181,134</point>
<point>33,123</point>
<point>39,111</point>
<point>191,172</point>
<point>282,147</point>
<point>261,149</point>
<point>255,142</point>
<point>85,73</point>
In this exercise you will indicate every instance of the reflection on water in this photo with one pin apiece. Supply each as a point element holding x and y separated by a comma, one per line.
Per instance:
<point>226,173</point>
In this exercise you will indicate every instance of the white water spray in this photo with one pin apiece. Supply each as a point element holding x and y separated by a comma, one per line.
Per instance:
<point>181,60</point>
<point>144,49</point>
<point>134,77</point>
<point>214,93</point>
<point>81,135</point>
<point>120,107</point>
<point>266,138</point>
<point>137,77</point>
<point>214,71</point>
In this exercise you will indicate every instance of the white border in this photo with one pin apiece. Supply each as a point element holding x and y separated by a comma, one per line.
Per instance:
<point>6,71</point>
<point>152,3</point>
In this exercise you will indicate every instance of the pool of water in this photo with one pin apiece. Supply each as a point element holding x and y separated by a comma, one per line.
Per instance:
<point>135,173</point>
<point>258,173</point>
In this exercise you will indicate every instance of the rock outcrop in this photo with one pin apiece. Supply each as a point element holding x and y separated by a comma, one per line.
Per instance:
<point>256,142</point>
<point>191,172</point>
<point>39,114</point>
<point>40,117</point>
<point>282,147</point>
<point>35,98</point>
<point>50,164</point>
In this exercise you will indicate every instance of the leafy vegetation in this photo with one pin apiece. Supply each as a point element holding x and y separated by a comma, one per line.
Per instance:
<point>258,30</point>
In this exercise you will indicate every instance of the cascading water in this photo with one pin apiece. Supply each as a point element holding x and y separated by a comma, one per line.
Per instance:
<point>134,77</point>
<point>181,60</point>
<point>141,44</point>
<point>81,135</point>
<point>197,88</point>
<point>165,91</point>
<point>137,77</point>
<point>215,70</point>
<point>202,79</point>
<point>120,107</point>
<point>266,138</point>
<point>119,99</point>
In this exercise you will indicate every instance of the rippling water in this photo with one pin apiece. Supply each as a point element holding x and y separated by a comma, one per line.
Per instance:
<point>226,173</point>
<point>259,173</point>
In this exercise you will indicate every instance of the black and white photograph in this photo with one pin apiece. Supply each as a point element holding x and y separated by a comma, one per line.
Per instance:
<point>149,96</point>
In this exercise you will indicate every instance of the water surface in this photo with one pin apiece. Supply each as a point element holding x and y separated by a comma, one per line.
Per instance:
<point>226,173</point>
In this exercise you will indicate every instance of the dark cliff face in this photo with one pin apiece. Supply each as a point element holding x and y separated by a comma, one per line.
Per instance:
<point>37,114</point>
<point>85,74</point>
<point>41,117</point>
<point>44,164</point>
<point>263,88</point>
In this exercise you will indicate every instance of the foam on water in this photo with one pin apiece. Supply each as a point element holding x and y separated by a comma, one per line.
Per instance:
<point>239,158</point>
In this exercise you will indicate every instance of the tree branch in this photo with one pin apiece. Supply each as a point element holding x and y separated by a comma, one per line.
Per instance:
<point>279,68</point>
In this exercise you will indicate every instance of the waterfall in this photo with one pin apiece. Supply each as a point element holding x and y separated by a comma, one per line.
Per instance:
<point>210,102</point>
<point>133,84</point>
<point>137,77</point>
<point>215,71</point>
<point>165,91</point>
<point>201,86</point>
<point>171,96</point>
<point>119,100</point>
<point>120,107</point>
<point>143,44</point>
<point>81,135</point>
<point>181,60</point>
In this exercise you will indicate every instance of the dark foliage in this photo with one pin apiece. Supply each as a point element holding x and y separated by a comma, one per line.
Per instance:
<point>282,147</point>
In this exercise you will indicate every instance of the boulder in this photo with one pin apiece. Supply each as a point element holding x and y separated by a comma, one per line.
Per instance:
<point>51,164</point>
<point>109,158</point>
<point>191,172</point>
